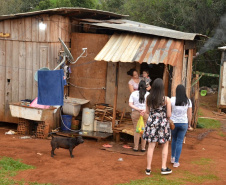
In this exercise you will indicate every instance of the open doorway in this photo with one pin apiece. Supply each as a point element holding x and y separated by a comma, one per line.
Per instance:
<point>155,70</point>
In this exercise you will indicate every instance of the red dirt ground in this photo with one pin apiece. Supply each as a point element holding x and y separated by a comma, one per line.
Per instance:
<point>94,166</point>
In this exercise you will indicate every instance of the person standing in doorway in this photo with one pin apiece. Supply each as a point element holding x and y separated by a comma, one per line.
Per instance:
<point>157,128</point>
<point>134,81</point>
<point>181,116</point>
<point>137,102</point>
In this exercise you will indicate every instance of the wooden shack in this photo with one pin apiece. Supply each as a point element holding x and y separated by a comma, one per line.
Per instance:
<point>25,48</point>
<point>114,44</point>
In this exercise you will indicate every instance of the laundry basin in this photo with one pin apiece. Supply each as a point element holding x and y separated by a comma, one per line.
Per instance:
<point>72,106</point>
<point>31,113</point>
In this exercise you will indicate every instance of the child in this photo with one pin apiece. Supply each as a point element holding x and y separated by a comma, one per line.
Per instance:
<point>147,79</point>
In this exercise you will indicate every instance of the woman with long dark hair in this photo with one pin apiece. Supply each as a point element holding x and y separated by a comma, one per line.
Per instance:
<point>134,81</point>
<point>137,102</point>
<point>181,116</point>
<point>157,128</point>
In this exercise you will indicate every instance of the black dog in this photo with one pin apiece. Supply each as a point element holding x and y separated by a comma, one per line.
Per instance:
<point>67,143</point>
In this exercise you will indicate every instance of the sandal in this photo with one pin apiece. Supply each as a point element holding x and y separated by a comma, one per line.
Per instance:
<point>107,146</point>
<point>126,146</point>
<point>143,150</point>
<point>135,150</point>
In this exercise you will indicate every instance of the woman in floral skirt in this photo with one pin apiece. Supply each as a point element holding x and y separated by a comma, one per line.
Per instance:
<point>157,128</point>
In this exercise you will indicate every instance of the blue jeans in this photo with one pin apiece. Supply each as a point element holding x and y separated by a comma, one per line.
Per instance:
<point>177,139</point>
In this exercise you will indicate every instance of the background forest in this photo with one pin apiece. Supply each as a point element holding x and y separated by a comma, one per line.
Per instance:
<point>207,17</point>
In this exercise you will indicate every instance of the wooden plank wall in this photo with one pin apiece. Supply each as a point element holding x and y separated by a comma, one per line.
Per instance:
<point>26,50</point>
<point>123,88</point>
<point>177,73</point>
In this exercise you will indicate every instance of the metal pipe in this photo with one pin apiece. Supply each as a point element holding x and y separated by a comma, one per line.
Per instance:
<point>64,57</point>
<point>84,50</point>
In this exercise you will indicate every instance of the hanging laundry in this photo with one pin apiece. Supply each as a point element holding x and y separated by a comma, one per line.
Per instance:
<point>51,87</point>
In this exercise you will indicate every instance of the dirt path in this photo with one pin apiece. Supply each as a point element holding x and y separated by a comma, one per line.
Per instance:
<point>94,166</point>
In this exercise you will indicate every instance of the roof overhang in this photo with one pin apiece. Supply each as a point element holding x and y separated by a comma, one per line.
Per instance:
<point>128,47</point>
<point>75,12</point>
<point>137,27</point>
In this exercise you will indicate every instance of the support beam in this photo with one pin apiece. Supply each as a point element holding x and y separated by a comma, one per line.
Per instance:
<point>115,95</point>
<point>166,79</point>
<point>189,72</point>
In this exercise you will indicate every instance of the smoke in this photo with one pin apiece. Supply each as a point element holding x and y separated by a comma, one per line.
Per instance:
<point>218,38</point>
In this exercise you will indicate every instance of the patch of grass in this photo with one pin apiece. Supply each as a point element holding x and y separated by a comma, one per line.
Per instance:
<point>182,177</point>
<point>200,113</point>
<point>203,161</point>
<point>35,183</point>
<point>155,179</point>
<point>222,134</point>
<point>193,178</point>
<point>9,167</point>
<point>208,123</point>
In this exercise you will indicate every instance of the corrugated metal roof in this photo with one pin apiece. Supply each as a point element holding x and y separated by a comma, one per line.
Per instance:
<point>141,48</point>
<point>68,11</point>
<point>137,27</point>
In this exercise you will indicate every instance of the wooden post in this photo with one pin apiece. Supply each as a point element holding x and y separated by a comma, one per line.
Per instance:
<point>115,95</point>
<point>196,102</point>
<point>184,70</point>
<point>166,79</point>
<point>189,73</point>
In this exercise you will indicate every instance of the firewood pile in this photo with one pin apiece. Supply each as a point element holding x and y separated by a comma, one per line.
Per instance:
<point>104,112</point>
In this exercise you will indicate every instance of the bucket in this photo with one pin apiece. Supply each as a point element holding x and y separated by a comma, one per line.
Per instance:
<point>88,119</point>
<point>66,122</point>
<point>41,69</point>
<point>74,124</point>
<point>203,92</point>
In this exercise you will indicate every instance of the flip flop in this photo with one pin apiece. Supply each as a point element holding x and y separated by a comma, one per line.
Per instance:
<point>126,146</point>
<point>107,146</point>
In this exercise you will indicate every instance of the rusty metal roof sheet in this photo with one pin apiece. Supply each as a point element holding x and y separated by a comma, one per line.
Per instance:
<point>141,48</point>
<point>76,12</point>
<point>137,27</point>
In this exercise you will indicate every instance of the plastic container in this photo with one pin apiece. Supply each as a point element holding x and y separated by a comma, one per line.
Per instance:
<point>66,122</point>
<point>88,119</point>
<point>72,106</point>
<point>103,126</point>
<point>203,92</point>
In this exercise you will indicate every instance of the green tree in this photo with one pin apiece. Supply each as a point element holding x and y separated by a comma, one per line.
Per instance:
<point>28,5</point>
<point>84,3</point>
<point>111,5</point>
<point>63,3</point>
<point>44,4</point>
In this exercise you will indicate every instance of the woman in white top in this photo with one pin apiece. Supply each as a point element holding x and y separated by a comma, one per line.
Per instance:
<point>181,116</point>
<point>134,81</point>
<point>137,101</point>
